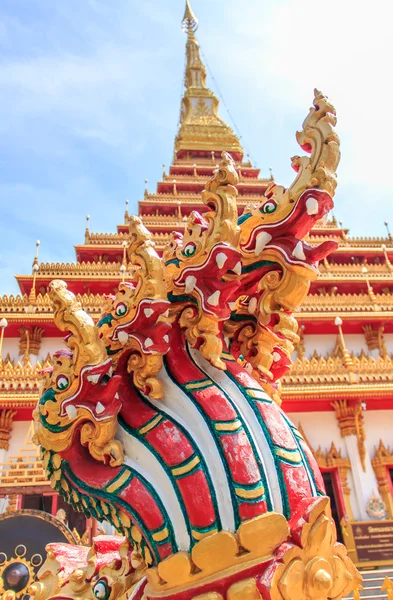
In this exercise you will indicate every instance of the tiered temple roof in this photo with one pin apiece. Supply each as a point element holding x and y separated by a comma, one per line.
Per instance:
<point>355,284</point>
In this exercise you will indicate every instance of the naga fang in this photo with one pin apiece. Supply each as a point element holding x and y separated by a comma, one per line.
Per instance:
<point>164,419</point>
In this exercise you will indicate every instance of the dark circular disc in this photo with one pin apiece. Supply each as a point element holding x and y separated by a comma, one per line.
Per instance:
<point>15,576</point>
<point>23,537</point>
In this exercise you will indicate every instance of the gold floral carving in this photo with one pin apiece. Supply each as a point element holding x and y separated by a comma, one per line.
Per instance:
<point>350,421</point>
<point>319,569</point>
<point>382,462</point>
<point>6,419</point>
<point>375,340</point>
<point>30,340</point>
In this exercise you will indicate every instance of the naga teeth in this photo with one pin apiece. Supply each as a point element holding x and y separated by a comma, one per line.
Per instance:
<point>298,251</point>
<point>110,372</point>
<point>116,396</point>
<point>221,259</point>
<point>232,305</point>
<point>148,312</point>
<point>276,356</point>
<point>190,284</point>
<point>94,378</point>
<point>71,411</point>
<point>312,206</point>
<point>148,342</point>
<point>261,240</point>
<point>166,339</point>
<point>166,314</point>
<point>252,305</point>
<point>214,298</point>
<point>122,336</point>
<point>248,367</point>
<point>237,268</point>
<point>100,408</point>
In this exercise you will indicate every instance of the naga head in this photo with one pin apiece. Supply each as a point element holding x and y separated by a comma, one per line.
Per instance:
<point>135,326</point>
<point>80,392</point>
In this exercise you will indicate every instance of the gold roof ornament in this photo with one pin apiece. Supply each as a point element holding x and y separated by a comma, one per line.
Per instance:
<point>189,22</point>
<point>200,125</point>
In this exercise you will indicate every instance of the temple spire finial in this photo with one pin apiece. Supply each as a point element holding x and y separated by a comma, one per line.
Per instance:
<point>190,22</point>
<point>200,125</point>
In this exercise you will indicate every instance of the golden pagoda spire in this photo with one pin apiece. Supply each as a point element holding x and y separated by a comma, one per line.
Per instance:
<point>200,126</point>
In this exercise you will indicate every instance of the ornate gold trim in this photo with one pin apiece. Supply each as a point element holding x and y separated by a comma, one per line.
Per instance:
<point>381,463</point>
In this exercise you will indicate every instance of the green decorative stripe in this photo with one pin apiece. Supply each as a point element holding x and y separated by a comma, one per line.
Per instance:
<point>106,320</point>
<point>173,477</point>
<point>47,396</point>
<point>181,298</point>
<point>233,426</point>
<point>186,467</point>
<point>199,384</point>
<point>53,428</point>
<point>243,218</point>
<point>173,261</point>
<point>250,439</point>
<point>256,394</point>
<point>120,482</point>
<point>150,425</point>
<point>110,352</point>
<point>254,405</point>
<point>239,317</point>
<point>257,265</point>
<point>290,456</point>
<point>252,493</point>
<point>297,437</point>
<point>215,436</point>
<point>112,500</point>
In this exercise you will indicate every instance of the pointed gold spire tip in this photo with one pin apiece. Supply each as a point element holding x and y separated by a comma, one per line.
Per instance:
<point>189,22</point>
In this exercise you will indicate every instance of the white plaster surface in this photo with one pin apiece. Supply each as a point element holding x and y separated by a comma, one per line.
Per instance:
<point>379,426</point>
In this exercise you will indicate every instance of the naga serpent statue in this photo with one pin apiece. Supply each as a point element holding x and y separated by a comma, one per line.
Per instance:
<point>164,418</point>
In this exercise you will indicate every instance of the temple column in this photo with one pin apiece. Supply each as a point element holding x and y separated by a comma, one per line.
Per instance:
<point>350,422</point>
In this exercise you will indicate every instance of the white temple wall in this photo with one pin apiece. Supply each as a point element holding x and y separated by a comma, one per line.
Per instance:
<point>11,346</point>
<point>320,428</point>
<point>378,426</point>
<point>325,344</point>
<point>19,433</point>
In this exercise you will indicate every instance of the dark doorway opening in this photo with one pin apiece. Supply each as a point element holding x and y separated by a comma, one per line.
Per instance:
<point>330,491</point>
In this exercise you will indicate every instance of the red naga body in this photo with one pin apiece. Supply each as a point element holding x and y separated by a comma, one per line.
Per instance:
<point>164,418</point>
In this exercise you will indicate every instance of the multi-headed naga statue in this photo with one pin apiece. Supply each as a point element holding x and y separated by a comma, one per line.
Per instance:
<point>164,418</point>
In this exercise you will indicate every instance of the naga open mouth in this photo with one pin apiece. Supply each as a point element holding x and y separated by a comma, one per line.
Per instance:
<point>97,392</point>
<point>145,328</point>
<point>215,281</point>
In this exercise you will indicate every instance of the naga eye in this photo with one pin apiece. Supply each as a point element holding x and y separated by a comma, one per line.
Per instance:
<point>100,590</point>
<point>62,382</point>
<point>268,207</point>
<point>120,309</point>
<point>189,250</point>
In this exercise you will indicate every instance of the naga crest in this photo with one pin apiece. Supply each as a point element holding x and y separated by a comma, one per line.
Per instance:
<point>164,420</point>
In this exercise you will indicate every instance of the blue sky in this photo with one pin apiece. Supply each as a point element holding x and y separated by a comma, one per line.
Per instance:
<point>90,93</point>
